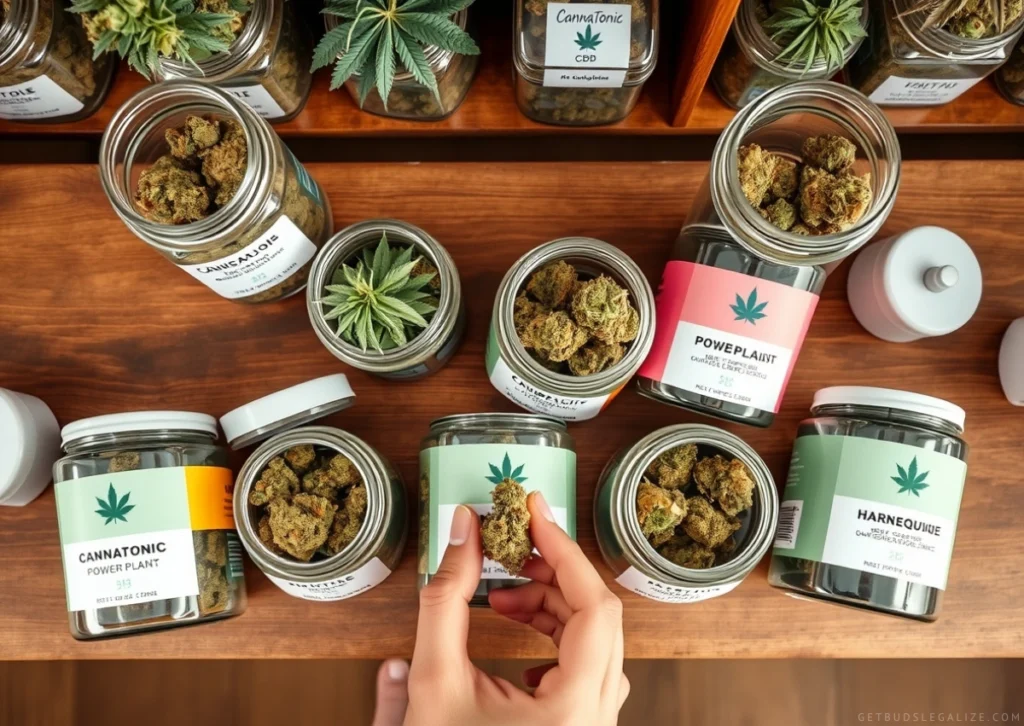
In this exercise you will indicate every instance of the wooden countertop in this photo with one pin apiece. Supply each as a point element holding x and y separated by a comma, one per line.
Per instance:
<point>93,321</point>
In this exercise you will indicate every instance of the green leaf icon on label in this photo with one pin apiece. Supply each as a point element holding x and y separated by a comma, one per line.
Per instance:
<point>909,480</point>
<point>588,40</point>
<point>749,310</point>
<point>506,472</point>
<point>114,509</point>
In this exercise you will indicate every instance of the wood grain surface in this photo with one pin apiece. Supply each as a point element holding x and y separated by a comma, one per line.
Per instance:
<point>93,322</point>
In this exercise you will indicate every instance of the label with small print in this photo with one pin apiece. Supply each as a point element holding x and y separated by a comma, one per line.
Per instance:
<point>355,583</point>
<point>637,582</point>
<point>586,42</point>
<point>267,262</point>
<point>258,99</point>
<point>896,91</point>
<point>36,99</point>
<point>727,335</point>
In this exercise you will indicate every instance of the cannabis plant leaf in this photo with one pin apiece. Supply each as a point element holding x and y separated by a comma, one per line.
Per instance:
<point>939,12</point>
<point>749,310</point>
<point>588,40</point>
<point>811,30</point>
<point>506,472</point>
<point>113,508</point>
<point>910,480</point>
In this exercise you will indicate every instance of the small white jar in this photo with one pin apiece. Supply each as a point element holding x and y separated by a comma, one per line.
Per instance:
<point>31,443</point>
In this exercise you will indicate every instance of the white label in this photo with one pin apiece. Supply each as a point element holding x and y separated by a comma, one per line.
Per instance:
<point>533,399</point>
<point>731,367</point>
<point>355,583</point>
<point>258,99</point>
<point>567,78</point>
<point>898,91</point>
<point>267,262</point>
<point>898,549</point>
<point>789,524</point>
<point>635,581</point>
<point>38,98</point>
<point>592,36</point>
<point>132,569</point>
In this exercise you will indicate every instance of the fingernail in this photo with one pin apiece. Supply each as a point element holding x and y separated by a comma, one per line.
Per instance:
<point>542,506</point>
<point>461,521</point>
<point>398,671</point>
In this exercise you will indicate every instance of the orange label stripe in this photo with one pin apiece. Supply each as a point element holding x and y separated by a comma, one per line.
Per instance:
<point>210,490</point>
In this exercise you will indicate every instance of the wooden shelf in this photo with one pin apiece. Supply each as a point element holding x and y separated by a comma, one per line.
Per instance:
<point>100,323</point>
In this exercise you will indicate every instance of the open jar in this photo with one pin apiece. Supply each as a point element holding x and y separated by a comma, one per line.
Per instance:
<point>869,513</point>
<point>739,293</point>
<point>161,550</point>
<point>259,245</point>
<point>583,64</point>
<point>267,66</point>
<point>365,557</point>
<point>904,64</point>
<point>642,569</point>
<point>458,461</point>
<point>47,72</point>
<point>1010,76</point>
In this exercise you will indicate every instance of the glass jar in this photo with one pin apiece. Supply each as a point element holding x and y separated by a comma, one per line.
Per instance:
<point>746,68</point>
<point>524,381</point>
<point>436,344</point>
<point>1010,76</point>
<point>161,550</point>
<point>708,358</point>
<point>583,64</point>
<point>456,460</point>
<point>256,248</point>
<point>410,99</point>
<point>869,513</point>
<point>638,567</point>
<point>901,64</point>
<point>47,72</point>
<point>267,66</point>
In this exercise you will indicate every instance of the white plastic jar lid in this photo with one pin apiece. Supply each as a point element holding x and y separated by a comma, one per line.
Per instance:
<point>138,421</point>
<point>890,398</point>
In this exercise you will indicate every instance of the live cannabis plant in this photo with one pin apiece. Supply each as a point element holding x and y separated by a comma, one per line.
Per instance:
<point>968,18</point>
<point>378,302</point>
<point>809,31</point>
<point>378,35</point>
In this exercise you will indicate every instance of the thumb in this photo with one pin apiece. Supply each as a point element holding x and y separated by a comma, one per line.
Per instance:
<point>392,693</point>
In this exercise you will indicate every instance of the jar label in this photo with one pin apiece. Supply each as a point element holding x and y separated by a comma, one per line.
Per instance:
<point>898,91</point>
<point>39,98</point>
<point>635,581</point>
<point>126,537</point>
<point>258,99</point>
<point>727,335</point>
<point>873,506</point>
<point>265,263</point>
<point>591,36</point>
<point>467,473</point>
<point>355,583</point>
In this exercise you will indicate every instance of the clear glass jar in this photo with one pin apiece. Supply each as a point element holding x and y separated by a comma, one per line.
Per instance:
<point>869,513</point>
<point>746,67</point>
<point>637,565</point>
<point>161,550</point>
<point>456,460</point>
<point>267,66</point>
<point>410,99</point>
<point>706,357</point>
<point>47,72</point>
<point>583,68</point>
<point>436,344</point>
<point>256,248</point>
<point>524,381</point>
<point>1010,76</point>
<point>902,65</point>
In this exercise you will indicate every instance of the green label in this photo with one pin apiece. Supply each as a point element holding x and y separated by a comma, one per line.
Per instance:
<point>306,181</point>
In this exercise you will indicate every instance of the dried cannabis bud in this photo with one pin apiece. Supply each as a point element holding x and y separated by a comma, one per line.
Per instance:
<point>672,468</point>
<point>211,548</point>
<point>707,525</point>
<point>831,153</point>
<point>554,337</point>
<point>525,311</point>
<point>300,458</point>
<point>276,481</point>
<point>595,357</point>
<point>125,461</point>
<point>757,172</point>
<point>301,526</point>
<point>727,482</point>
<point>348,520</point>
<point>339,472</point>
<point>684,552</point>
<point>552,284</point>
<point>658,510</point>
<point>506,530</point>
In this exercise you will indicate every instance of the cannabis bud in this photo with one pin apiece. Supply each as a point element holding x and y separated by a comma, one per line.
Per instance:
<point>505,532</point>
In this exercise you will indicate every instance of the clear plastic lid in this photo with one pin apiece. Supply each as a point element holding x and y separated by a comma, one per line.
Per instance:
<point>137,422</point>
<point>890,399</point>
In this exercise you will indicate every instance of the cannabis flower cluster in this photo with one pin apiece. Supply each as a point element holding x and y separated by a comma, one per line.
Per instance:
<point>505,531</point>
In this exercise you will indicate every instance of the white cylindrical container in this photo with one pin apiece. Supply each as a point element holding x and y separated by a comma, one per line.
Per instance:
<point>1011,362</point>
<point>923,283</point>
<point>30,429</point>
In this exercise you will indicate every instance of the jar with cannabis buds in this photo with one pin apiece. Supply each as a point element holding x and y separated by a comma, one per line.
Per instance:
<point>1010,76</point>
<point>259,245</point>
<point>160,550</point>
<point>642,569</point>
<point>47,72</point>
<point>747,66</point>
<point>905,63</point>
<point>869,513</point>
<point>583,63</point>
<point>267,66</point>
<point>739,293</point>
<point>464,457</point>
<point>280,421</point>
<point>428,349</point>
<point>544,389</point>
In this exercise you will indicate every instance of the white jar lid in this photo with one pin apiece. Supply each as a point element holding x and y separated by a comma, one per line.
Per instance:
<point>287,409</point>
<point>138,421</point>
<point>890,398</point>
<point>31,443</point>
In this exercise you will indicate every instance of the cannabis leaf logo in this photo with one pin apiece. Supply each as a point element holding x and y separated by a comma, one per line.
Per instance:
<point>506,473</point>
<point>112,509</point>
<point>750,310</point>
<point>909,480</point>
<point>588,40</point>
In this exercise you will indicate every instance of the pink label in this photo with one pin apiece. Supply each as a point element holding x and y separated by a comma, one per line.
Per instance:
<point>727,335</point>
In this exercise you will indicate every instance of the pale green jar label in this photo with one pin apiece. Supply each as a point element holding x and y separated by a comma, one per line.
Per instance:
<point>874,506</point>
<point>466,474</point>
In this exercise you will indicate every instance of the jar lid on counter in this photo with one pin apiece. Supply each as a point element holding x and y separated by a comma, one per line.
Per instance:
<point>287,409</point>
<point>31,441</point>
<point>891,399</point>
<point>138,421</point>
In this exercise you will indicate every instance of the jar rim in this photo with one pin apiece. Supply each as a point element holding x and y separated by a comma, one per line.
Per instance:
<point>889,399</point>
<point>17,30</point>
<point>137,422</point>
<point>497,418</point>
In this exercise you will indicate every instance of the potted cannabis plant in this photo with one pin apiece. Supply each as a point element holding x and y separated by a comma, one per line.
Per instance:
<point>402,58</point>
